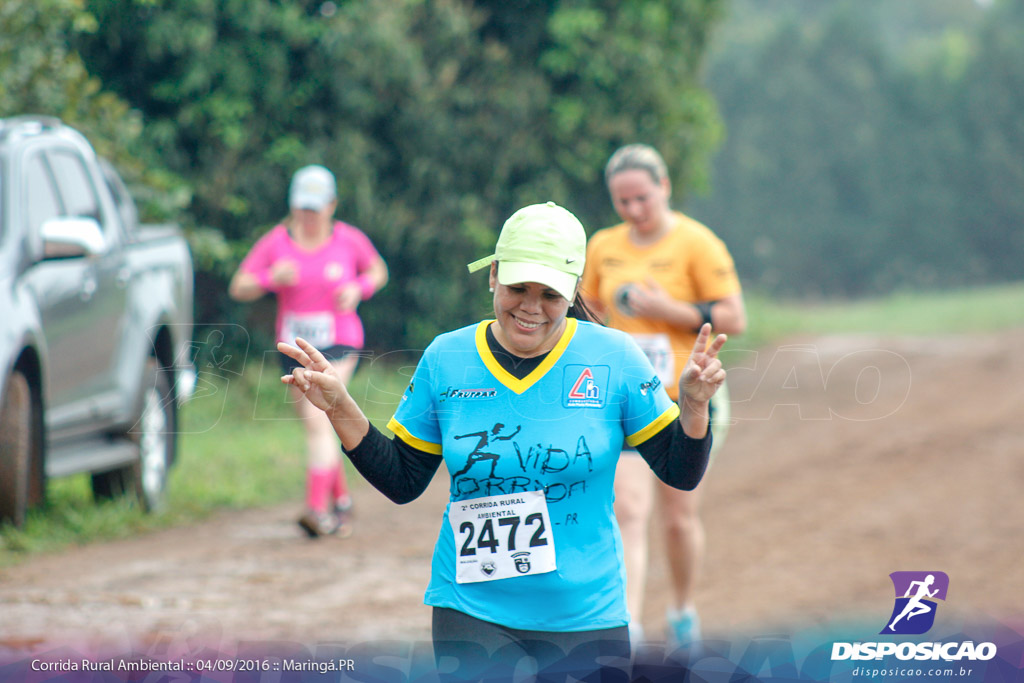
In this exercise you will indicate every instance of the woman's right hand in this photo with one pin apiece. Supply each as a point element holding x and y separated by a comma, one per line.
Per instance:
<point>319,382</point>
<point>316,379</point>
<point>284,273</point>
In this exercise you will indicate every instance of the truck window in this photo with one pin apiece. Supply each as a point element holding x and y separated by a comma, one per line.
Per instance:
<point>123,201</point>
<point>43,203</point>
<point>75,186</point>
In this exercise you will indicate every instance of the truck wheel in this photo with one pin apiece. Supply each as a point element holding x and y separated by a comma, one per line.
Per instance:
<point>154,432</point>
<point>15,449</point>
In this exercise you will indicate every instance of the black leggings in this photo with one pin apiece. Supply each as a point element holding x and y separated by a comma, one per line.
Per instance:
<point>467,648</point>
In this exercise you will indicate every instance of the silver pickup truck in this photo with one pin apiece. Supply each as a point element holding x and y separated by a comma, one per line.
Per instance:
<point>95,324</point>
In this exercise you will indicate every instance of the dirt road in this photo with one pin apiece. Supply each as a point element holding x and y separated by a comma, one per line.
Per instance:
<point>850,458</point>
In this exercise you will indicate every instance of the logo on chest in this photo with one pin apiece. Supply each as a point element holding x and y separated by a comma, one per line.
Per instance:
<point>585,386</point>
<point>467,394</point>
<point>333,271</point>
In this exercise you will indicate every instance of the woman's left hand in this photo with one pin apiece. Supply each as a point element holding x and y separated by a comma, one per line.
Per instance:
<point>650,300</point>
<point>703,373</point>
<point>317,379</point>
<point>320,383</point>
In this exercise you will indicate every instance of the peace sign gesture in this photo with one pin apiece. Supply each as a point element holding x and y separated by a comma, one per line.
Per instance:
<point>703,373</point>
<point>316,379</point>
<point>320,384</point>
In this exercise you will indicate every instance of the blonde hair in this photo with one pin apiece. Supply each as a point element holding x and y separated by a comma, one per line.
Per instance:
<point>636,157</point>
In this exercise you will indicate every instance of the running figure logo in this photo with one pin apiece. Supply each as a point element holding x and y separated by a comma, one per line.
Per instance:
<point>914,611</point>
<point>480,455</point>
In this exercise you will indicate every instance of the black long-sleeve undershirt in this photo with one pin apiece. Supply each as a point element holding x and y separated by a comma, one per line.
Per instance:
<point>393,467</point>
<point>402,472</point>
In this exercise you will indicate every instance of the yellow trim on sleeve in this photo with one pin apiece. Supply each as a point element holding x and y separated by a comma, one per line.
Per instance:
<point>654,427</point>
<point>507,378</point>
<point>402,433</point>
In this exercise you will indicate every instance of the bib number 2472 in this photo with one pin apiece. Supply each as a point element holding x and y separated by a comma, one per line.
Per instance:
<point>487,540</point>
<point>500,537</point>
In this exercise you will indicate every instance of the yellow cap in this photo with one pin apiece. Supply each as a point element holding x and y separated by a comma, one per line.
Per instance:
<point>540,243</point>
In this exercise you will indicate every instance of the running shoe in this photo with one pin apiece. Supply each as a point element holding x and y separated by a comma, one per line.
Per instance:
<point>683,627</point>
<point>317,524</point>
<point>343,513</point>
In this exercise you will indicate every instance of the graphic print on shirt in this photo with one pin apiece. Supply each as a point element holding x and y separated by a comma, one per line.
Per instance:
<point>478,455</point>
<point>533,465</point>
<point>333,271</point>
<point>587,385</point>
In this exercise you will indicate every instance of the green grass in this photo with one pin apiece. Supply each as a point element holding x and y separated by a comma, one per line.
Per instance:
<point>961,311</point>
<point>241,445</point>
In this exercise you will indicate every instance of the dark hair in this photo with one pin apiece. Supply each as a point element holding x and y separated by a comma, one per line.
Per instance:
<point>579,310</point>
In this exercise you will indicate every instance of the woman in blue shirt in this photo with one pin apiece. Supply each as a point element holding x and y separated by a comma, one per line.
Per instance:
<point>528,411</point>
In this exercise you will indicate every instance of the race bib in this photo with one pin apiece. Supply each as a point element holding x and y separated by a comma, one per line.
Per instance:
<point>316,328</point>
<point>502,537</point>
<point>659,351</point>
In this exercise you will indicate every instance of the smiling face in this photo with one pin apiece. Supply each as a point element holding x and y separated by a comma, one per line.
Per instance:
<point>641,201</point>
<point>530,316</point>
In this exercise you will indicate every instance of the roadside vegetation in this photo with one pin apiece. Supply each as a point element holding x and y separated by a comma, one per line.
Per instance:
<point>241,445</point>
<point>958,311</point>
<point>849,148</point>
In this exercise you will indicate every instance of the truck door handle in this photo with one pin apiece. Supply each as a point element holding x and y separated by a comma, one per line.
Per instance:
<point>88,289</point>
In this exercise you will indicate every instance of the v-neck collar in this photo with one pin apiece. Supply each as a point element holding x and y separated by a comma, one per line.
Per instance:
<point>508,379</point>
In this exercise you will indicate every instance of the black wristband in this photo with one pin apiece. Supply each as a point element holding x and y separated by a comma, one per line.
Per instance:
<point>705,312</point>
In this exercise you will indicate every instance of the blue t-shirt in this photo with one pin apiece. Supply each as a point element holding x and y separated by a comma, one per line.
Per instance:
<point>559,431</point>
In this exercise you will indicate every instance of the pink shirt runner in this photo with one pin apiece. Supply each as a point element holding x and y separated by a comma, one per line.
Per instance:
<point>307,309</point>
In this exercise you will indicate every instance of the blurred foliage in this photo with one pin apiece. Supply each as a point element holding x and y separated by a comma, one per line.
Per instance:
<point>439,119</point>
<point>41,74</point>
<point>872,145</point>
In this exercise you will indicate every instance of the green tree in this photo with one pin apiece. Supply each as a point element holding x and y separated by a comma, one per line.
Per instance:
<point>41,74</point>
<point>991,174</point>
<point>800,174</point>
<point>872,145</point>
<point>438,118</point>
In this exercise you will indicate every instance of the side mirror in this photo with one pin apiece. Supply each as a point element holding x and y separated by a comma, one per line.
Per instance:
<point>71,237</point>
